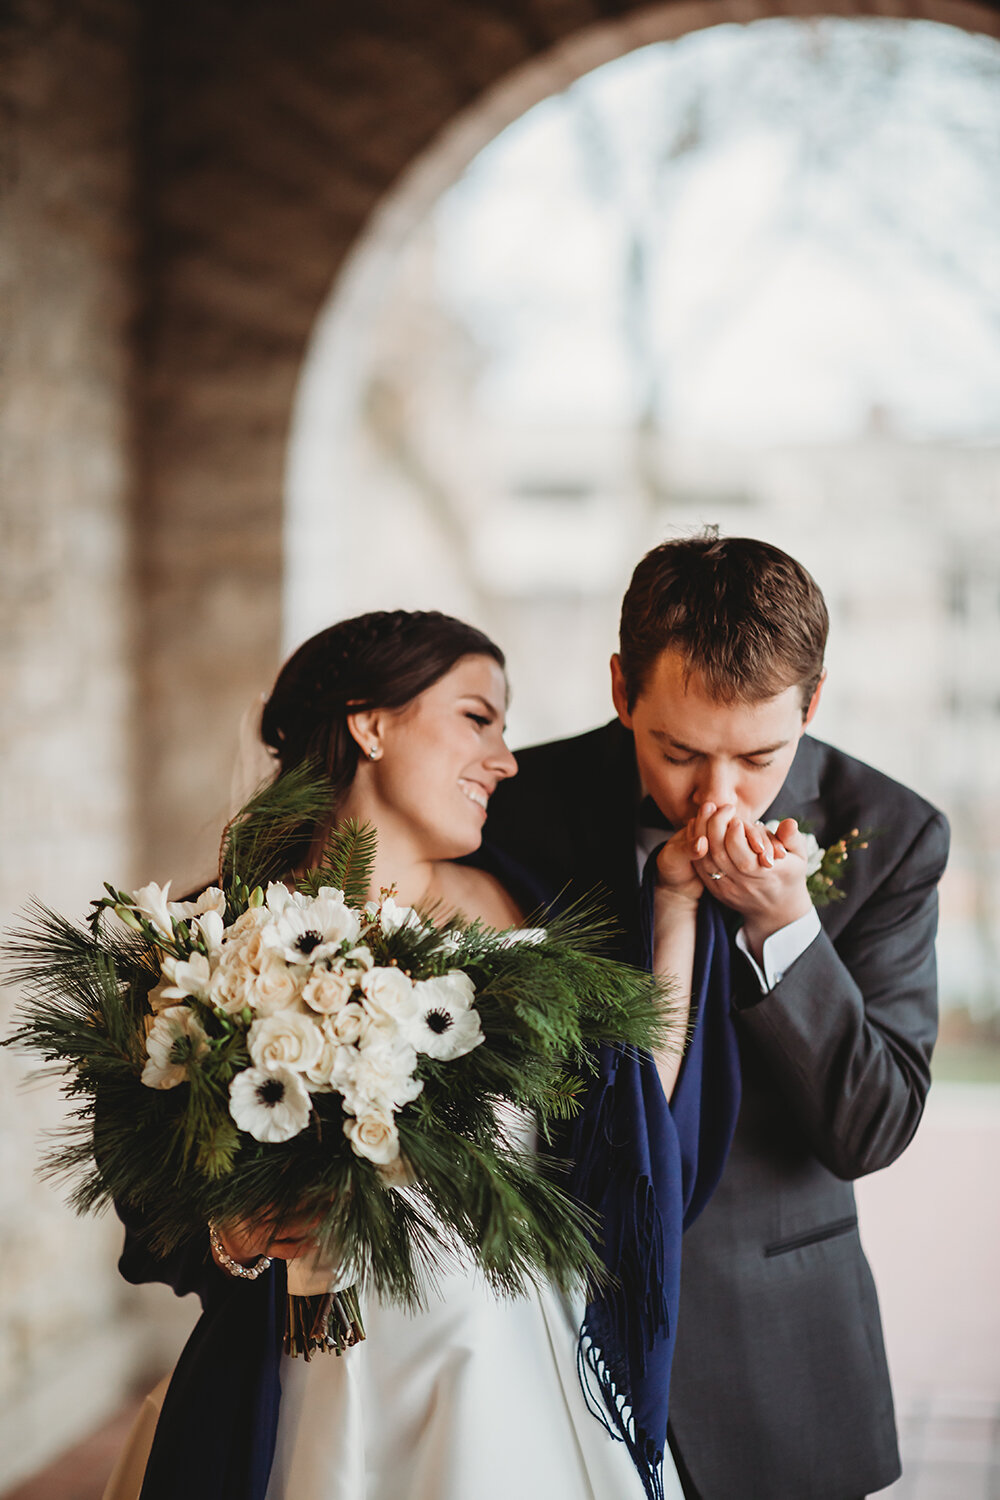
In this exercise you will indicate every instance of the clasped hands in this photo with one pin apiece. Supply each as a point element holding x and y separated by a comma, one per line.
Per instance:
<point>759,874</point>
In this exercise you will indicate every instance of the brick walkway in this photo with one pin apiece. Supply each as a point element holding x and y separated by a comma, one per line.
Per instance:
<point>931,1227</point>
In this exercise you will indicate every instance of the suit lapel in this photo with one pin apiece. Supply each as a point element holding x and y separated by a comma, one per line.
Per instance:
<point>608,832</point>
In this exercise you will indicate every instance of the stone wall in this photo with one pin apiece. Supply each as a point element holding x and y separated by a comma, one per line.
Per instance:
<point>66,308</point>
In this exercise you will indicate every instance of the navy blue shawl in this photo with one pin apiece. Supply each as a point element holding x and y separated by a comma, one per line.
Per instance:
<point>647,1169</point>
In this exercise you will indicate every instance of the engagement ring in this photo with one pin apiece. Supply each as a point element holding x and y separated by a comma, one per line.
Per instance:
<point>716,875</point>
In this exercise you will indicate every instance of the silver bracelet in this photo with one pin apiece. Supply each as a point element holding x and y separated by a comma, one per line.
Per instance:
<point>234,1267</point>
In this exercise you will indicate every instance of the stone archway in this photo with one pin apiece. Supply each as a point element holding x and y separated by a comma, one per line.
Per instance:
<point>274,140</point>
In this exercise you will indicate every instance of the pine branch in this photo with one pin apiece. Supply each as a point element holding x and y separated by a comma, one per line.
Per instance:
<point>347,863</point>
<point>258,841</point>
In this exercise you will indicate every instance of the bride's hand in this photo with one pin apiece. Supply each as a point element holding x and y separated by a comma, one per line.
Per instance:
<point>677,880</point>
<point>246,1243</point>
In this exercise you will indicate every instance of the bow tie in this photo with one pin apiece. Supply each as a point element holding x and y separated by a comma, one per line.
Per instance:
<point>650,816</point>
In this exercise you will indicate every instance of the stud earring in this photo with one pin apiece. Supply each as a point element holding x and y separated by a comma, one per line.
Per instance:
<point>374,753</point>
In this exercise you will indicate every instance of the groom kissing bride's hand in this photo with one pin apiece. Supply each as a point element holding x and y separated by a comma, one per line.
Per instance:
<point>780,1388</point>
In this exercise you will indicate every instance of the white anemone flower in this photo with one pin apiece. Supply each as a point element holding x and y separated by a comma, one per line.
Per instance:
<point>309,931</point>
<point>445,1025</point>
<point>271,1104</point>
<point>189,977</point>
<point>151,901</point>
<point>175,1037</point>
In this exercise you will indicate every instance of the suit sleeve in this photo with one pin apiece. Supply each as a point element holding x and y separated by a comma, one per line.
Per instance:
<point>849,1030</point>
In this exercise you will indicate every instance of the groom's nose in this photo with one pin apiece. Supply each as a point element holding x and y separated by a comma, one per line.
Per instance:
<point>716,783</point>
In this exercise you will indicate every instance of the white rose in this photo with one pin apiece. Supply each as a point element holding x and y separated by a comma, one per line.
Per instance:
<point>230,986</point>
<point>252,920</point>
<point>350,1025</point>
<point>388,992</point>
<point>179,1024</point>
<point>289,1039</point>
<point>374,1136</point>
<point>274,990</point>
<point>330,1066</point>
<point>328,990</point>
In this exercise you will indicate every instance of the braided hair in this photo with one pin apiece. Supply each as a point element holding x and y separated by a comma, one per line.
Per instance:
<point>384,659</point>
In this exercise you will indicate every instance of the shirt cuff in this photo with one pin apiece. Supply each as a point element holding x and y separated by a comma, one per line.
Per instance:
<point>781,949</point>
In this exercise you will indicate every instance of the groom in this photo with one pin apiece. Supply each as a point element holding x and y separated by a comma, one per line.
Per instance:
<point>780,1389</point>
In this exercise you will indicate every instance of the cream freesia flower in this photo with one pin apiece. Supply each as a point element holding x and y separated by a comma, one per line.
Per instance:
<point>211,899</point>
<point>209,926</point>
<point>189,977</point>
<point>175,1037</point>
<point>151,901</point>
<point>271,1104</point>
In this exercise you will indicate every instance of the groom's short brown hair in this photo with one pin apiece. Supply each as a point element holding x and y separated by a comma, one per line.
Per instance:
<point>744,615</point>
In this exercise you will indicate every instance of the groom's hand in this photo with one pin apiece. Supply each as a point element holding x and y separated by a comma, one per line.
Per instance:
<point>763,875</point>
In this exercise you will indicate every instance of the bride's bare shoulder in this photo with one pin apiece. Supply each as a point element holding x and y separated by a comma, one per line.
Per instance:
<point>477,894</point>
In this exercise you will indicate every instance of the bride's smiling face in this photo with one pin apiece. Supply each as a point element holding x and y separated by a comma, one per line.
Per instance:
<point>439,759</point>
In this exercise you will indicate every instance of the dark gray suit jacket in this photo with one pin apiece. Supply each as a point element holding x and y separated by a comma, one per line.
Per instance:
<point>780,1389</point>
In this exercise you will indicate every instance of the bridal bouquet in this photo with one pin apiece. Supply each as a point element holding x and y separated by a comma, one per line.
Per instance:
<point>272,1051</point>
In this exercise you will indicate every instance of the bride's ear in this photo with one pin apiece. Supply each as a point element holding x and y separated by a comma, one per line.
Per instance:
<point>365,729</point>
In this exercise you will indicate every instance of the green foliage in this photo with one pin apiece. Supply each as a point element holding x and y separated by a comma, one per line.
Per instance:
<point>346,864</point>
<point>257,842</point>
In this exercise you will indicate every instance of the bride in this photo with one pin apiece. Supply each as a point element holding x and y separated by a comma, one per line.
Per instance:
<point>475,1397</point>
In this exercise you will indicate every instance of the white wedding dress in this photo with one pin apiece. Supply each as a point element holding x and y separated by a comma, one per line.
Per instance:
<point>473,1398</point>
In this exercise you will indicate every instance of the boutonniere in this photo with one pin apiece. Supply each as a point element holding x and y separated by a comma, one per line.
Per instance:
<point>823,866</point>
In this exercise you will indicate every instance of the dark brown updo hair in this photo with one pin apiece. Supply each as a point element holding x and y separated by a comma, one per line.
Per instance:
<point>380,660</point>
